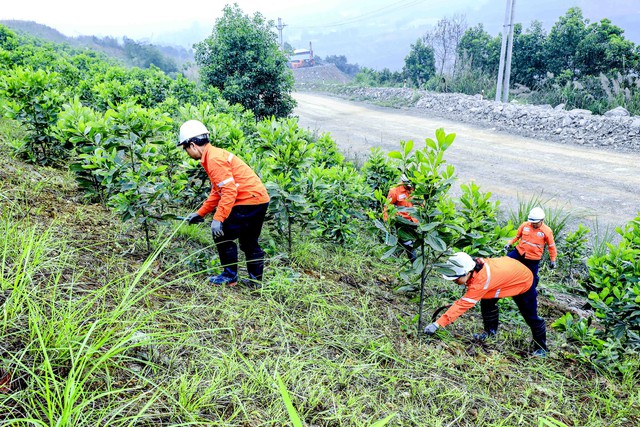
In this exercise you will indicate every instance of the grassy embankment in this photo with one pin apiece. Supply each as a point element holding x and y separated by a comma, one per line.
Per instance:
<point>95,332</point>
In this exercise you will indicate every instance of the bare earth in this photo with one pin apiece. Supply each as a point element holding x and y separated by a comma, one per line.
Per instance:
<point>590,183</point>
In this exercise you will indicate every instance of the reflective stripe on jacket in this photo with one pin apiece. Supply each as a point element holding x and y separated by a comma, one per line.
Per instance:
<point>400,197</point>
<point>498,278</point>
<point>532,241</point>
<point>232,183</point>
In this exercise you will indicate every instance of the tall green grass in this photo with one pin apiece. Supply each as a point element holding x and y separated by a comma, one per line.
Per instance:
<point>158,346</point>
<point>557,217</point>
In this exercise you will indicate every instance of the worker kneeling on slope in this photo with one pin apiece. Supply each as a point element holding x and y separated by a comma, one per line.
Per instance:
<point>487,280</point>
<point>401,196</point>
<point>239,199</point>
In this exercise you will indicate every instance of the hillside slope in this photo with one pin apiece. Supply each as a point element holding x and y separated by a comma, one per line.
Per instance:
<point>96,332</point>
<point>109,45</point>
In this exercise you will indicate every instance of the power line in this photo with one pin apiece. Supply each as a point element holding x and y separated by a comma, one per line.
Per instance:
<point>402,4</point>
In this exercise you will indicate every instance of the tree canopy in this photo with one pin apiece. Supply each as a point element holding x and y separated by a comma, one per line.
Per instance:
<point>420,63</point>
<point>241,58</point>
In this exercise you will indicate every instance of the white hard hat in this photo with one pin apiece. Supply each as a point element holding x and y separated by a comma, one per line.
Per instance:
<point>536,215</point>
<point>406,181</point>
<point>191,129</point>
<point>461,263</point>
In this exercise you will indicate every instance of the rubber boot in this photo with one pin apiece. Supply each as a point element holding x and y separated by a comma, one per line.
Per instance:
<point>228,277</point>
<point>484,335</point>
<point>255,268</point>
<point>251,282</point>
<point>490,314</point>
<point>539,333</point>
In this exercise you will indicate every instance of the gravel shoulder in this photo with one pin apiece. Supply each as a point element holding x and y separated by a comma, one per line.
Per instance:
<point>592,183</point>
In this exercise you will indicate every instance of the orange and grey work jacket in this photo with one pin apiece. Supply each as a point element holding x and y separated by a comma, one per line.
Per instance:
<point>399,196</point>
<point>498,278</point>
<point>532,241</point>
<point>232,183</point>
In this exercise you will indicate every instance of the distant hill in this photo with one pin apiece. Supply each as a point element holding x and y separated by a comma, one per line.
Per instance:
<point>131,52</point>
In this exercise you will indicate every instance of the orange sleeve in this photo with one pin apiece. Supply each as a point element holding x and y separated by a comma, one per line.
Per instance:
<point>518,235</point>
<point>391,198</point>
<point>470,298</point>
<point>223,189</point>
<point>553,251</point>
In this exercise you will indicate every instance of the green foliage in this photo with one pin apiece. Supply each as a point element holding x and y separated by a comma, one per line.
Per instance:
<point>340,61</point>
<point>420,63</point>
<point>288,204</point>
<point>574,251</point>
<point>288,153</point>
<point>242,59</point>
<point>33,97</point>
<point>8,39</point>
<point>369,77</point>
<point>466,79</point>
<point>577,330</point>
<point>529,66</point>
<point>563,41</point>
<point>327,152</point>
<point>120,160</point>
<point>298,188</point>
<point>604,353</point>
<point>432,178</point>
<point>582,65</point>
<point>336,196</point>
<point>614,287</point>
<point>478,217</point>
<point>482,52</point>
<point>144,55</point>
<point>379,175</point>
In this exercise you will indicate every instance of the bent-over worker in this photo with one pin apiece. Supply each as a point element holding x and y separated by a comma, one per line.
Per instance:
<point>240,202</point>
<point>487,280</point>
<point>401,196</point>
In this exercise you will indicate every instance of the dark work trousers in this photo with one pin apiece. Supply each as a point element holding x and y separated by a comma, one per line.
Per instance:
<point>528,305</point>
<point>244,224</point>
<point>532,264</point>
<point>402,238</point>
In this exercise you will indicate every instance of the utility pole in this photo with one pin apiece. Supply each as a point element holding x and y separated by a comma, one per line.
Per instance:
<point>280,26</point>
<point>504,71</point>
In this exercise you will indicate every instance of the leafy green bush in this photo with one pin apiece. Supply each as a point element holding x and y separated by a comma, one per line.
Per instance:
<point>34,97</point>
<point>336,196</point>
<point>478,216</point>
<point>379,174</point>
<point>574,251</point>
<point>614,287</point>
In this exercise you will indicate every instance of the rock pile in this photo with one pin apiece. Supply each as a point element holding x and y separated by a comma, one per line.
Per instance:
<point>320,74</point>
<point>615,129</point>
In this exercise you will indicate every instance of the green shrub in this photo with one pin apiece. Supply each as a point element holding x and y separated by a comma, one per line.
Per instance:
<point>34,97</point>
<point>614,287</point>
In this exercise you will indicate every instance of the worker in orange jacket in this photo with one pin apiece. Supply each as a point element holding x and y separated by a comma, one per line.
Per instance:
<point>400,196</point>
<point>240,202</point>
<point>487,280</point>
<point>533,235</point>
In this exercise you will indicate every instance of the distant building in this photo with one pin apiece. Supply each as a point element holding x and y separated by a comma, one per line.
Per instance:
<point>302,58</point>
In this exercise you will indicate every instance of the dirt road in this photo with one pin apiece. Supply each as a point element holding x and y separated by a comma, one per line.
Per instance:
<point>590,183</point>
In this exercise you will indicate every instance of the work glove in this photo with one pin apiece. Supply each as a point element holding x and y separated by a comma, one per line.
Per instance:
<point>194,218</point>
<point>431,329</point>
<point>216,228</point>
<point>552,265</point>
<point>507,248</point>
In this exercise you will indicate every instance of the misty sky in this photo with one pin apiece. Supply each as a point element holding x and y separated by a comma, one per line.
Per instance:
<point>372,33</point>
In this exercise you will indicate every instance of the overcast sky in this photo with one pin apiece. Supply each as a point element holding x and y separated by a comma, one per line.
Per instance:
<point>378,21</point>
